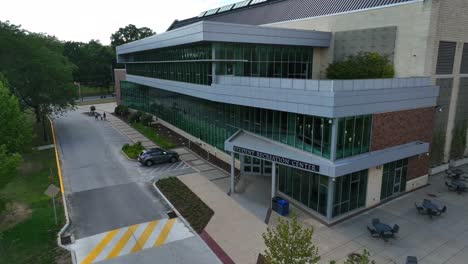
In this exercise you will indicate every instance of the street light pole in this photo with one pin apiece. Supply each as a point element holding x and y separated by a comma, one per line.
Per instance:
<point>79,91</point>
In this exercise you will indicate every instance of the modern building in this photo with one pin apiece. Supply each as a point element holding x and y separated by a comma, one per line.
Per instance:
<point>247,81</point>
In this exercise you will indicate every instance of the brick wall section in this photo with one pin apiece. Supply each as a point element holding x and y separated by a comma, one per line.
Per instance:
<point>417,167</point>
<point>119,75</point>
<point>397,128</point>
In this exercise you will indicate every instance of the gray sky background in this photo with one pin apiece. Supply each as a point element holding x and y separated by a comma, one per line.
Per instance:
<point>83,20</point>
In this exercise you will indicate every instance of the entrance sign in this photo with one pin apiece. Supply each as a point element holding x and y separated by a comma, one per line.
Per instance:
<point>282,160</point>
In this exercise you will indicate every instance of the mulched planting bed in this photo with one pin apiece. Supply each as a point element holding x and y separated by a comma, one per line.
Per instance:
<point>192,208</point>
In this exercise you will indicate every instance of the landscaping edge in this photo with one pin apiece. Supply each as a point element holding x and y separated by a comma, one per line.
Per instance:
<point>64,200</point>
<point>126,156</point>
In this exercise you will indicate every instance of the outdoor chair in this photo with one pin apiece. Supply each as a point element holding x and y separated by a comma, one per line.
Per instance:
<point>443,211</point>
<point>373,232</point>
<point>451,187</point>
<point>375,221</point>
<point>420,209</point>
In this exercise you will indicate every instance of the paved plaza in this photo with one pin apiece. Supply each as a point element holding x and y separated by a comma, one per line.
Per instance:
<point>439,240</point>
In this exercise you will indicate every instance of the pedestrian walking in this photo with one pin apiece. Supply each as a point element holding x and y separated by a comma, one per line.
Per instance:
<point>95,116</point>
<point>104,114</point>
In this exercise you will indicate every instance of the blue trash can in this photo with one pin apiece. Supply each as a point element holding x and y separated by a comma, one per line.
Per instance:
<point>283,207</point>
<point>274,203</point>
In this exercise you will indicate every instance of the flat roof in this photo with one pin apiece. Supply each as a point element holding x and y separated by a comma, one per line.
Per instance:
<point>207,31</point>
<point>277,11</point>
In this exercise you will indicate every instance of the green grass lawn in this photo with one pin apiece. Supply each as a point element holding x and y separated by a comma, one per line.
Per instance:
<point>132,151</point>
<point>150,133</point>
<point>30,235</point>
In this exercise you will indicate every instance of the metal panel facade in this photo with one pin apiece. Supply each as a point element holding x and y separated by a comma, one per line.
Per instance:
<point>278,11</point>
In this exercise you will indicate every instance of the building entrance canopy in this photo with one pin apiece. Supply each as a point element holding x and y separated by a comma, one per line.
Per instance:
<point>246,143</point>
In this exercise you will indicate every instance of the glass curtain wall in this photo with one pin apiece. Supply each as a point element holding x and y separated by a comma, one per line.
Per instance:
<point>190,64</point>
<point>394,178</point>
<point>257,60</point>
<point>350,192</point>
<point>308,188</point>
<point>354,136</point>
<point>215,122</point>
<point>311,190</point>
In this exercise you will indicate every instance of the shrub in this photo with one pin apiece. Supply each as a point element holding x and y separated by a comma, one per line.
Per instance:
<point>367,65</point>
<point>146,119</point>
<point>133,118</point>
<point>121,110</point>
<point>290,243</point>
<point>134,150</point>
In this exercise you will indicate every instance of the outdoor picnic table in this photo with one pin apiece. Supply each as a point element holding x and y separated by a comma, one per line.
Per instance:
<point>429,205</point>
<point>382,228</point>
<point>459,184</point>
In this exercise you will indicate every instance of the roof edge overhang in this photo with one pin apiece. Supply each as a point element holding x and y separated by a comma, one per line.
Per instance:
<point>209,31</point>
<point>246,143</point>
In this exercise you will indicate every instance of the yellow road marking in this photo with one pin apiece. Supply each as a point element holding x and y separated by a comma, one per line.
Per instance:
<point>165,232</point>
<point>144,237</point>
<point>97,250</point>
<point>122,242</point>
<point>59,168</point>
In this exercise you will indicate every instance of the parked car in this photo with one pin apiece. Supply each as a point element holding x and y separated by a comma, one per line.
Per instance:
<point>157,155</point>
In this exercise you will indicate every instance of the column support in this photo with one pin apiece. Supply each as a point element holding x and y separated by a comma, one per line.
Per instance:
<point>273,179</point>
<point>334,137</point>
<point>233,172</point>
<point>213,64</point>
<point>330,198</point>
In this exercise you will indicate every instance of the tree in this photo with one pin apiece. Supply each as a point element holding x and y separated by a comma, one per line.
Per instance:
<point>360,258</point>
<point>367,65</point>
<point>38,73</point>
<point>94,62</point>
<point>130,33</point>
<point>15,130</point>
<point>290,243</point>
<point>15,133</point>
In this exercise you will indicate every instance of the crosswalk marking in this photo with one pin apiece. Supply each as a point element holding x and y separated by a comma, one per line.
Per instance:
<point>128,240</point>
<point>97,250</point>
<point>164,233</point>
<point>122,242</point>
<point>144,237</point>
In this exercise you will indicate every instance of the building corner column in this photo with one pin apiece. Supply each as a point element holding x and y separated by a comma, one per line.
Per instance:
<point>213,64</point>
<point>273,179</point>
<point>330,198</point>
<point>334,136</point>
<point>233,172</point>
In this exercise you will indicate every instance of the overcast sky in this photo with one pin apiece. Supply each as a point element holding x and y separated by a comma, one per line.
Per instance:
<point>83,20</point>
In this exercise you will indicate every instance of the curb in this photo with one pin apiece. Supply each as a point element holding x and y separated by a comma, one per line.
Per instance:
<point>126,156</point>
<point>64,200</point>
<point>174,209</point>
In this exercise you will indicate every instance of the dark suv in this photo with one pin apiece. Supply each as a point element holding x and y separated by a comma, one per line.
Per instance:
<point>157,155</point>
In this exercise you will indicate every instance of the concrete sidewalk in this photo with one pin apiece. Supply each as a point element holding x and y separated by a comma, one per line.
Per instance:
<point>123,127</point>
<point>237,231</point>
